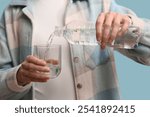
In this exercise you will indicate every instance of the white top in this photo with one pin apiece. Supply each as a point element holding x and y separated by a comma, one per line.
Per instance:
<point>47,15</point>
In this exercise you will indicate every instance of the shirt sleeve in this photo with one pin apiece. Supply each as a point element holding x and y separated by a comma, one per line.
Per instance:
<point>9,89</point>
<point>12,84</point>
<point>141,52</point>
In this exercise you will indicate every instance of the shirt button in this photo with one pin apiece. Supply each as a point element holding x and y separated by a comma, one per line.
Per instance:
<point>76,59</point>
<point>79,86</point>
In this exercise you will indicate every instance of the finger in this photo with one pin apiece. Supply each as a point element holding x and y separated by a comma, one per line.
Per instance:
<point>107,27</point>
<point>35,79</point>
<point>52,61</point>
<point>21,79</point>
<point>39,80</point>
<point>33,67</point>
<point>35,60</point>
<point>99,26</point>
<point>115,28</point>
<point>103,45</point>
<point>124,27</point>
<point>34,76</point>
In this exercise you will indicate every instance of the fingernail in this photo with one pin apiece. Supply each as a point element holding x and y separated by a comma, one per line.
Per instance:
<point>46,79</point>
<point>110,42</point>
<point>103,46</point>
<point>43,62</point>
<point>47,69</point>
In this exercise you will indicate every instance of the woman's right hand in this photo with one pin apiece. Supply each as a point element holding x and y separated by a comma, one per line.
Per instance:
<point>30,71</point>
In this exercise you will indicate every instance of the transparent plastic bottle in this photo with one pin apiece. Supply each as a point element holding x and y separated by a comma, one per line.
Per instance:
<point>85,34</point>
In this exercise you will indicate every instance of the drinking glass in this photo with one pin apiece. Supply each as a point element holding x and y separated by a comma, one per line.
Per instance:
<point>52,55</point>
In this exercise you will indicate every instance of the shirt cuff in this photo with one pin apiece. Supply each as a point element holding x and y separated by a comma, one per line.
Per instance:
<point>12,84</point>
<point>129,40</point>
<point>137,22</point>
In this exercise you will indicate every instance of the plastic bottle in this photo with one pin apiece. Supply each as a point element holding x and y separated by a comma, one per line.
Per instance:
<point>85,34</point>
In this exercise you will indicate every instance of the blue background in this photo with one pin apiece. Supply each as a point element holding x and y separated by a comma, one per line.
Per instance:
<point>134,79</point>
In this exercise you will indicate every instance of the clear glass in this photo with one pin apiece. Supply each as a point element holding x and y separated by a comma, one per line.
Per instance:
<point>52,55</point>
<point>84,33</point>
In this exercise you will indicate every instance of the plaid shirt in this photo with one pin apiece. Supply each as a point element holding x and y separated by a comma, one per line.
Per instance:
<point>93,69</point>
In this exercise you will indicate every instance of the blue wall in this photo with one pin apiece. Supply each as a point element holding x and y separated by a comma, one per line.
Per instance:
<point>134,78</point>
<point>3,3</point>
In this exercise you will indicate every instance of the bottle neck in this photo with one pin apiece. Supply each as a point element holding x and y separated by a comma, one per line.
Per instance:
<point>59,31</point>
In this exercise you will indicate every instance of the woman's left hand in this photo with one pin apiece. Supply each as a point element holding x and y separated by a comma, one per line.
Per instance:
<point>111,25</point>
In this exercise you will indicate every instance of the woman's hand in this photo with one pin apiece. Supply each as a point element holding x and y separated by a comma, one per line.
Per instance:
<point>111,25</point>
<point>30,71</point>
